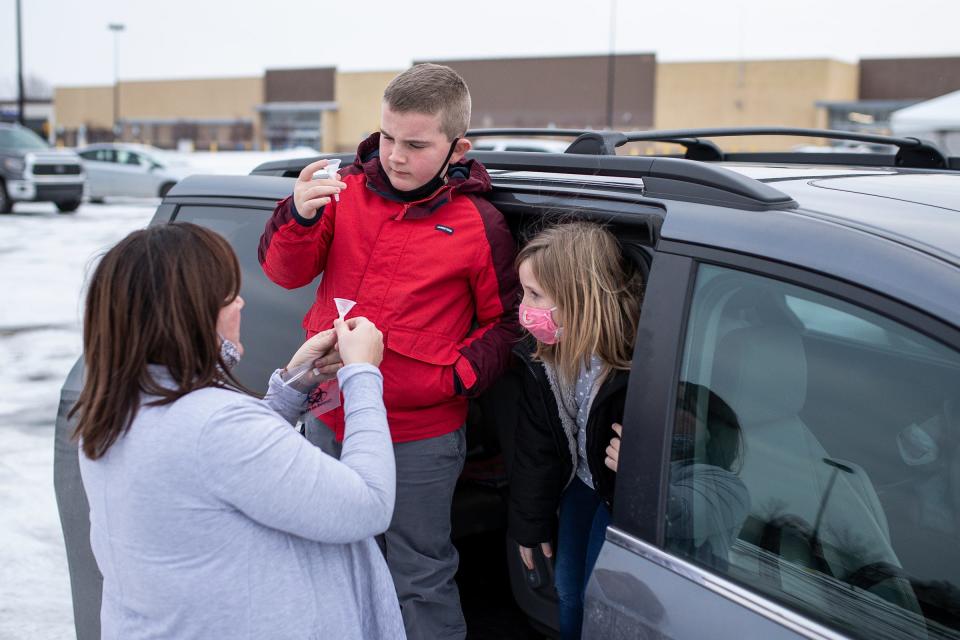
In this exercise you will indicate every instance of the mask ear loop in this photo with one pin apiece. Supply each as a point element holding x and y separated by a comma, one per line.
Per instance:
<point>442,174</point>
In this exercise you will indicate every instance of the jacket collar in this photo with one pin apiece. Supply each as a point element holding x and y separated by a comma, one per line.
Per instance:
<point>525,348</point>
<point>462,178</point>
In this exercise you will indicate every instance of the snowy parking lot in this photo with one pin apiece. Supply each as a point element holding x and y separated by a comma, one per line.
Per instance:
<point>44,260</point>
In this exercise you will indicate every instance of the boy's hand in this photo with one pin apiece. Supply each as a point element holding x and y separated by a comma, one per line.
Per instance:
<point>359,340</point>
<point>613,451</point>
<point>310,195</point>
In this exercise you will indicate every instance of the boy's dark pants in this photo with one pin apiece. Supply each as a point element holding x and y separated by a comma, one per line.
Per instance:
<point>417,546</point>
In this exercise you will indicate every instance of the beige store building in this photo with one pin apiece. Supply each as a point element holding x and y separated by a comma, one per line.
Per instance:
<point>216,113</point>
<point>359,95</point>
<point>751,93</point>
<point>318,107</point>
<point>332,111</point>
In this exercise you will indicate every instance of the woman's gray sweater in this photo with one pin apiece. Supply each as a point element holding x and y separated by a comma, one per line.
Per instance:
<point>213,518</point>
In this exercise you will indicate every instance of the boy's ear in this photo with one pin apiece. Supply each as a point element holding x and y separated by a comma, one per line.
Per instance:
<point>460,149</point>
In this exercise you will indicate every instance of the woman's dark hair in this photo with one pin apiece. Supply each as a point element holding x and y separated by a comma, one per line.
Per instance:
<point>153,299</point>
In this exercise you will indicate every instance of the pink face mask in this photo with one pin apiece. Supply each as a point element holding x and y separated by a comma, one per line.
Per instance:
<point>540,324</point>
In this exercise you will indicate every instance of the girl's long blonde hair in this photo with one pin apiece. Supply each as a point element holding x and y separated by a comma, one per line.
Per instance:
<point>597,294</point>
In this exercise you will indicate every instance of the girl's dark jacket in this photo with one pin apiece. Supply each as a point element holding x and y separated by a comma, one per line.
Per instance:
<point>545,453</point>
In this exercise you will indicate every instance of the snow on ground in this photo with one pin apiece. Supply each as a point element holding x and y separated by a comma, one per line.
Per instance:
<point>45,257</point>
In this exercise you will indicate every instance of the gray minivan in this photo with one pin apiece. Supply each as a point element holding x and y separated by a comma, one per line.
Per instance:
<point>790,465</point>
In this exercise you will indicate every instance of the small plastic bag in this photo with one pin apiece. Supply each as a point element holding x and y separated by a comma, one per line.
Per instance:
<point>326,395</point>
<point>298,372</point>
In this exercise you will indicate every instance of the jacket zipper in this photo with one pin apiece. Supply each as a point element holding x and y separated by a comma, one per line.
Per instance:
<point>545,384</point>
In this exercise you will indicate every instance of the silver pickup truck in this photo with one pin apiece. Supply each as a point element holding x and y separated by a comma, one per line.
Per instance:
<point>33,171</point>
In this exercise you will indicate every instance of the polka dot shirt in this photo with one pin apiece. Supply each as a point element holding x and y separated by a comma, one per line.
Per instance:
<point>583,394</point>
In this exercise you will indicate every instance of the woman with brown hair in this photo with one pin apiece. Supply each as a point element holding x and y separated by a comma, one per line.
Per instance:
<point>210,516</point>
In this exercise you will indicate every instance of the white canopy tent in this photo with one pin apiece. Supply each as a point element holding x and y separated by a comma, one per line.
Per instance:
<point>936,120</point>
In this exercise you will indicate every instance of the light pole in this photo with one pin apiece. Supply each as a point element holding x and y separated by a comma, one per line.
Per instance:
<point>116,27</point>
<point>611,62</point>
<point>21,99</point>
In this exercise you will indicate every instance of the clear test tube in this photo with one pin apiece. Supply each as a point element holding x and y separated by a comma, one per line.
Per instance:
<point>328,172</point>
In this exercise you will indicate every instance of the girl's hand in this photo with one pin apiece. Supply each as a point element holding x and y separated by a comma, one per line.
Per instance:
<point>526,554</point>
<point>321,351</point>
<point>613,450</point>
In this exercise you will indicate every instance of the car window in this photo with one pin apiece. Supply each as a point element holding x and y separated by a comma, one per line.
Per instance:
<point>89,155</point>
<point>101,155</point>
<point>830,323</point>
<point>816,457</point>
<point>21,139</point>
<point>126,157</point>
<point>271,323</point>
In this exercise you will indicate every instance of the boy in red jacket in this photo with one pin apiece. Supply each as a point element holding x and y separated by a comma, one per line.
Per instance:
<point>406,233</point>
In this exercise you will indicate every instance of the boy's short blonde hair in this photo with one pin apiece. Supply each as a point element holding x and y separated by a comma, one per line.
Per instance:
<point>432,89</point>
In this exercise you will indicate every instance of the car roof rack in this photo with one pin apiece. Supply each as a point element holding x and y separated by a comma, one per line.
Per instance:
<point>664,176</point>
<point>587,142</point>
<point>911,152</point>
<point>669,177</point>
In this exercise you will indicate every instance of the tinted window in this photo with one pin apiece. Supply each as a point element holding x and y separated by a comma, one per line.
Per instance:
<point>271,319</point>
<point>815,457</point>
<point>21,138</point>
<point>127,157</point>
<point>100,155</point>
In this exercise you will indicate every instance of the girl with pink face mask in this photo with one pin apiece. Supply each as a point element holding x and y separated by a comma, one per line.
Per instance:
<point>580,307</point>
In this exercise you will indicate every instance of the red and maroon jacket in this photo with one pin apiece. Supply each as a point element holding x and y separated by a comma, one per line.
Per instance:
<point>436,276</point>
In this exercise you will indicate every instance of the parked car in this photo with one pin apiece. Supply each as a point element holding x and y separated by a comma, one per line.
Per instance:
<point>790,464</point>
<point>32,171</point>
<point>531,144</point>
<point>131,170</point>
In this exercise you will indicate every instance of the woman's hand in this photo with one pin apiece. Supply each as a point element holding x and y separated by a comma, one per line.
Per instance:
<point>526,554</point>
<point>359,341</point>
<point>613,450</point>
<point>321,353</point>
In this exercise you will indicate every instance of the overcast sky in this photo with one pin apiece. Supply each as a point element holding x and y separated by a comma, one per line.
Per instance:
<point>66,43</point>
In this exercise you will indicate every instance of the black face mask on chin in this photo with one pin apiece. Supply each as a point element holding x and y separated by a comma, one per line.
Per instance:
<point>432,185</point>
